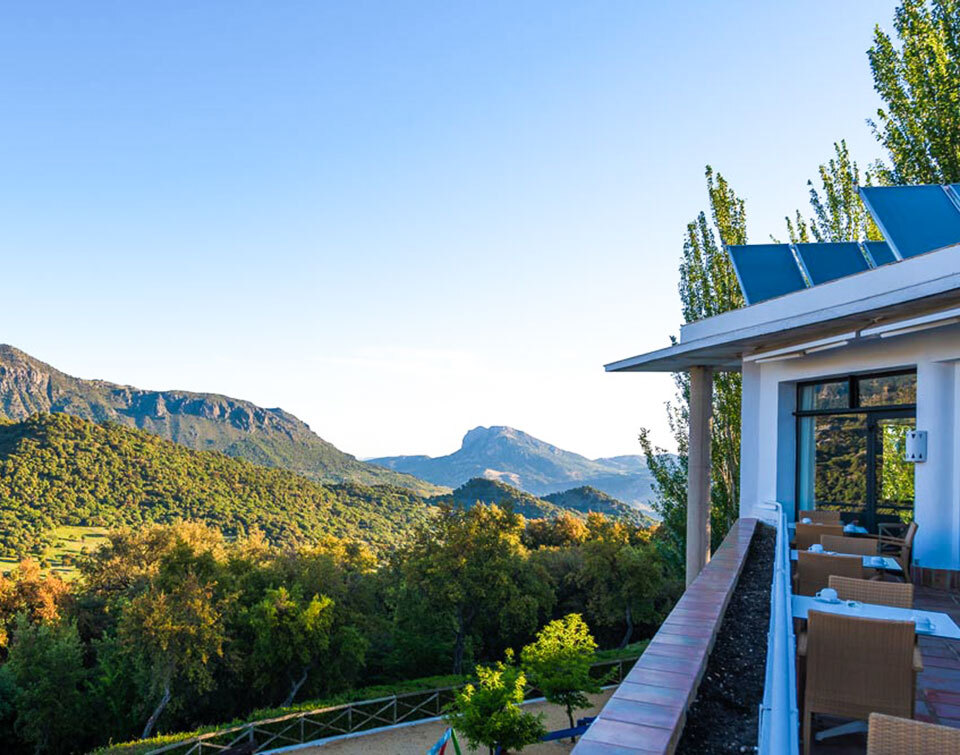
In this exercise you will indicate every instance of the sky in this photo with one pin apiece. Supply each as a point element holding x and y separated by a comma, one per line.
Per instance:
<point>400,220</point>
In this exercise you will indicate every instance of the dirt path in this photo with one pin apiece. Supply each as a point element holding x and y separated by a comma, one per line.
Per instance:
<point>418,739</point>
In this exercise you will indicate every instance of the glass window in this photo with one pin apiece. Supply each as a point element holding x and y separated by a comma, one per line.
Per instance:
<point>827,395</point>
<point>888,390</point>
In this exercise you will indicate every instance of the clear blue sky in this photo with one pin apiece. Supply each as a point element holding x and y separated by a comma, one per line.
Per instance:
<point>399,220</point>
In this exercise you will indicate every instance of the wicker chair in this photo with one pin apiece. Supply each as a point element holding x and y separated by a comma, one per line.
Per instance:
<point>808,534</point>
<point>856,667</point>
<point>863,546</point>
<point>814,570</point>
<point>819,516</point>
<point>889,735</point>
<point>900,548</point>
<point>895,594</point>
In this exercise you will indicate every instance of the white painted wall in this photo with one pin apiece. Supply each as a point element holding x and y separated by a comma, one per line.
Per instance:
<point>768,462</point>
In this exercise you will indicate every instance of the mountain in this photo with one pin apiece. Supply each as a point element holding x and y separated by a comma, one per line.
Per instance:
<point>580,501</point>
<point>57,470</point>
<point>512,456</point>
<point>481,490</point>
<point>201,421</point>
<point>587,499</point>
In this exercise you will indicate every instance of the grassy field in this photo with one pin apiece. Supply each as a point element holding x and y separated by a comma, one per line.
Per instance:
<point>69,542</point>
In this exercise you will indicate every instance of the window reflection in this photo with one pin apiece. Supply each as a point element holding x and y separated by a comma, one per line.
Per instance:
<point>888,390</point>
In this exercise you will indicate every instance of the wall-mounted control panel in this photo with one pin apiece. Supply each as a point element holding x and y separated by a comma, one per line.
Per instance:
<point>915,448</point>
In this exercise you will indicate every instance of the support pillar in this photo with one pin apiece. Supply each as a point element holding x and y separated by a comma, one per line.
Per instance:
<point>698,471</point>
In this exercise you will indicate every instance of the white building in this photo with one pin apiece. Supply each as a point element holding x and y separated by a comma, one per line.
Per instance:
<point>844,348</point>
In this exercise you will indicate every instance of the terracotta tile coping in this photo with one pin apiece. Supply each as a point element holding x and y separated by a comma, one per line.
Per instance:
<point>647,712</point>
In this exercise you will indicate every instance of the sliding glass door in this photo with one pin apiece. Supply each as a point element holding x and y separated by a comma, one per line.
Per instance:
<point>850,436</point>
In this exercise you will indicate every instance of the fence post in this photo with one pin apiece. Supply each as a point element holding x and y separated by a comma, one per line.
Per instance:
<point>350,718</point>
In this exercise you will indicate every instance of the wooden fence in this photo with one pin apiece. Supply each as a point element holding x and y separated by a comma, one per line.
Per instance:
<point>349,718</point>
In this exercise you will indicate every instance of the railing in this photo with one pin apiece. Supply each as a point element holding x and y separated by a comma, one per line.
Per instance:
<point>350,718</point>
<point>779,716</point>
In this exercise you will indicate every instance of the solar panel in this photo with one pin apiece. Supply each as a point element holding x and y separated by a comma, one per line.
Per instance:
<point>913,219</point>
<point>880,252</point>
<point>828,261</point>
<point>766,271</point>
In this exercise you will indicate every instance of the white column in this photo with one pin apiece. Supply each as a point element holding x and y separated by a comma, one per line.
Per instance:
<point>935,506</point>
<point>698,471</point>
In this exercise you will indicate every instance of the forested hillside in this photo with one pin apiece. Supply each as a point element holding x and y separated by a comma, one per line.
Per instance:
<point>579,501</point>
<point>480,490</point>
<point>56,469</point>
<point>586,499</point>
<point>201,421</point>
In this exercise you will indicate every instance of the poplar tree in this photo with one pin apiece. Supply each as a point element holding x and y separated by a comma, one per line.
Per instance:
<point>916,74</point>
<point>838,212</point>
<point>708,287</point>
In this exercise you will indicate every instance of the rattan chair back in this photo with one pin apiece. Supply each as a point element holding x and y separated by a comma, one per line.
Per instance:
<point>856,667</point>
<point>898,594</point>
<point>814,570</point>
<point>864,546</point>
<point>820,516</point>
<point>808,534</point>
<point>889,735</point>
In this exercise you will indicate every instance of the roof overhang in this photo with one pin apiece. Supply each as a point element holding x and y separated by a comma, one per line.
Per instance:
<point>815,318</point>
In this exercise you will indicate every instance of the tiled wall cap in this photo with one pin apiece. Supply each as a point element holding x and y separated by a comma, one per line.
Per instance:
<point>647,711</point>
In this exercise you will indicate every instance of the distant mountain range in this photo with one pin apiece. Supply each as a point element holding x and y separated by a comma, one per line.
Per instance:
<point>512,456</point>
<point>200,421</point>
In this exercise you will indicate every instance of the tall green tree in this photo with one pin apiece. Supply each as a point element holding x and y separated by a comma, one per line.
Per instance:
<point>558,663</point>
<point>916,72</point>
<point>489,713</point>
<point>176,633</point>
<point>708,287</point>
<point>471,566</point>
<point>46,675</point>
<point>838,213</point>
<point>290,635</point>
<point>622,576</point>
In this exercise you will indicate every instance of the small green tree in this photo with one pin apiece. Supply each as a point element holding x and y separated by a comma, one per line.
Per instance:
<point>489,712</point>
<point>558,663</point>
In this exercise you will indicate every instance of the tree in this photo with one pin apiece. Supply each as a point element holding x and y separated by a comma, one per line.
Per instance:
<point>919,124</point>
<point>622,575</point>
<point>290,635</point>
<point>558,663</point>
<point>176,633</point>
<point>27,592</point>
<point>489,713</point>
<point>838,212</point>
<point>471,564</point>
<point>708,287</point>
<point>48,680</point>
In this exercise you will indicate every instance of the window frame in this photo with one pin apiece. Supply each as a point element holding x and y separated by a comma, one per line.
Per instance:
<point>853,385</point>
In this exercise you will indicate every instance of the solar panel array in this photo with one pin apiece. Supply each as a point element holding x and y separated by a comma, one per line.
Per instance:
<point>913,219</point>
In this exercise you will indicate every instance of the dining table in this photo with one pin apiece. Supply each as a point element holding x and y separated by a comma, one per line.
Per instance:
<point>869,562</point>
<point>939,624</point>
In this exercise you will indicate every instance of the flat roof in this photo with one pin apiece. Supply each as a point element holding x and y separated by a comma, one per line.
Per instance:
<point>912,288</point>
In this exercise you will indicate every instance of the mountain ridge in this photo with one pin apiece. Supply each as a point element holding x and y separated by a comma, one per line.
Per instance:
<point>199,421</point>
<point>500,452</point>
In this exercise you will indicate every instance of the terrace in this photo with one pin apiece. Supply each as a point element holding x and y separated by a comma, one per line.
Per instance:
<point>850,360</point>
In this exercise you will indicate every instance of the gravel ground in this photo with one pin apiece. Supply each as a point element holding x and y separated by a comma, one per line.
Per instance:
<point>724,717</point>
